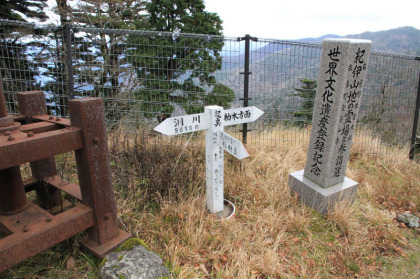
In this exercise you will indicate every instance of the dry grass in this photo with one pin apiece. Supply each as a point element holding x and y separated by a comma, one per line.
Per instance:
<point>161,199</point>
<point>273,235</point>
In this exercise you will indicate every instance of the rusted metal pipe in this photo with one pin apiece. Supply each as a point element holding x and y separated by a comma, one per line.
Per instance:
<point>6,121</point>
<point>12,194</point>
<point>3,111</point>
<point>33,103</point>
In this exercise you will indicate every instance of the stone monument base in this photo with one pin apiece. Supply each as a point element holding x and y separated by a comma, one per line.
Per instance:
<point>322,199</point>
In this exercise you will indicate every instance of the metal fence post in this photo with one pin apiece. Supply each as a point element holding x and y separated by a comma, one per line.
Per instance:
<point>246,74</point>
<point>67,38</point>
<point>416,120</point>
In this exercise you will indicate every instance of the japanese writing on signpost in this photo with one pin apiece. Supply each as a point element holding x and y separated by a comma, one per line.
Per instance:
<point>183,125</point>
<point>242,114</point>
<point>212,121</point>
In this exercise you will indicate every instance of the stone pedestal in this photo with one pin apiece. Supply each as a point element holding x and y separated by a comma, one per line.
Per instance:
<point>319,198</point>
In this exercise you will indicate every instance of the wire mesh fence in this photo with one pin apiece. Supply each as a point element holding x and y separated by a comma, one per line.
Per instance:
<point>386,115</point>
<point>33,58</point>
<point>145,77</point>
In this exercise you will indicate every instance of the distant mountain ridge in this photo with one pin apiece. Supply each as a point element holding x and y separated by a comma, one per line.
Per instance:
<point>402,40</point>
<point>278,66</point>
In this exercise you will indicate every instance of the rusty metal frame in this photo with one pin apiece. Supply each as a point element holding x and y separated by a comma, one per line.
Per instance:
<point>37,147</point>
<point>37,138</point>
<point>35,238</point>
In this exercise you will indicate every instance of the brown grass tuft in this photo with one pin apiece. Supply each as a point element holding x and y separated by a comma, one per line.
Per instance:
<point>160,189</point>
<point>273,235</point>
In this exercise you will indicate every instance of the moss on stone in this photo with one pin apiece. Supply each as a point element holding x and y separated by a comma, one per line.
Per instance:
<point>104,260</point>
<point>130,244</point>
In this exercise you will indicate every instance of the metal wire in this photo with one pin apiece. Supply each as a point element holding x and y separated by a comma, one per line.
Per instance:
<point>146,76</point>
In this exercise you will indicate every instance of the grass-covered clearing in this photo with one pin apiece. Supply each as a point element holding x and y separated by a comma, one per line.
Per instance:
<point>160,192</point>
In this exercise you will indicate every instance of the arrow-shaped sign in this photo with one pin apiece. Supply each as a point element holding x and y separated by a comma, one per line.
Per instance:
<point>231,145</point>
<point>213,120</point>
<point>240,115</point>
<point>183,124</point>
<point>200,121</point>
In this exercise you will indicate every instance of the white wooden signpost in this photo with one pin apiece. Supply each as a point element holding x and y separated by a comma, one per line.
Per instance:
<point>213,120</point>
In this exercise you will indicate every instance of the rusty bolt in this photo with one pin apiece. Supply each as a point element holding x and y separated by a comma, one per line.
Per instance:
<point>95,140</point>
<point>58,118</point>
<point>26,228</point>
<point>49,218</point>
<point>30,134</point>
<point>7,133</point>
<point>11,138</point>
<point>51,117</point>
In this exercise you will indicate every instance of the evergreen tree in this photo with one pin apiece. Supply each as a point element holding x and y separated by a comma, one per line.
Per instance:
<point>12,9</point>
<point>307,92</point>
<point>16,69</point>
<point>179,69</point>
<point>101,53</point>
<point>110,14</point>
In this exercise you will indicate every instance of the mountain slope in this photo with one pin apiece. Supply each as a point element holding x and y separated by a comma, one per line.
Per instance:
<point>402,40</point>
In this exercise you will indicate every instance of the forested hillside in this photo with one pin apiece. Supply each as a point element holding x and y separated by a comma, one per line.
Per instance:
<point>403,40</point>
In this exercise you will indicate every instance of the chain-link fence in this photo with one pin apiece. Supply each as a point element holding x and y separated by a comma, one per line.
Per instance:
<point>145,77</point>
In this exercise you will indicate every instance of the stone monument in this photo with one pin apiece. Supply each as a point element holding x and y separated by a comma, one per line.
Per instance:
<point>342,72</point>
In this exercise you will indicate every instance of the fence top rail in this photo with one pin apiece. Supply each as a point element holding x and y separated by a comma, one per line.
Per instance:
<point>33,25</point>
<point>319,46</point>
<point>396,55</point>
<point>290,42</point>
<point>54,27</point>
<point>145,33</point>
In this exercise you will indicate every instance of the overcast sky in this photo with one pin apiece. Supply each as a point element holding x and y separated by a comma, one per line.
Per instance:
<point>296,19</point>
